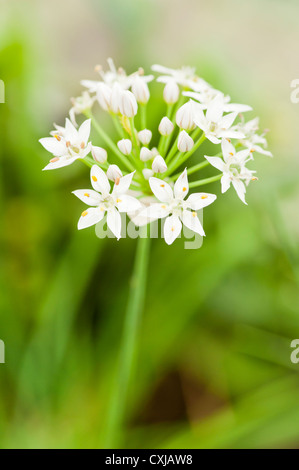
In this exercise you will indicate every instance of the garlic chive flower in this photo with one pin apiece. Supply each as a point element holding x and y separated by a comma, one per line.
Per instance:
<point>146,164</point>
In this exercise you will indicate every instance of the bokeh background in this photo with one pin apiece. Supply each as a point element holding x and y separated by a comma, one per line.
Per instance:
<point>213,368</point>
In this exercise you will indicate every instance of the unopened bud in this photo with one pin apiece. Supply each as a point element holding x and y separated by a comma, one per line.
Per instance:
<point>145,136</point>
<point>159,165</point>
<point>114,173</point>
<point>166,127</point>
<point>104,96</point>
<point>171,92</point>
<point>99,154</point>
<point>125,146</point>
<point>145,154</point>
<point>128,104</point>
<point>185,142</point>
<point>147,173</point>
<point>115,98</point>
<point>140,90</point>
<point>155,152</point>
<point>185,116</point>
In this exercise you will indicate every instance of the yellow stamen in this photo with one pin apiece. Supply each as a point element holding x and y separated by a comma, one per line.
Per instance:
<point>184,189</point>
<point>84,214</point>
<point>94,178</point>
<point>57,137</point>
<point>194,214</point>
<point>117,180</point>
<point>86,195</point>
<point>54,160</point>
<point>118,200</point>
<point>231,153</point>
<point>82,145</point>
<point>163,206</point>
<point>204,197</point>
<point>162,185</point>
<point>68,144</point>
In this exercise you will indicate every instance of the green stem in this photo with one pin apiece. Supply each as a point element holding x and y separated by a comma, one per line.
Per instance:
<point>193,169</point>
<point>194,184</point>
<point>119,399</point>
<point>143,116</point>
<point>179,161</point>
<point>118,126</point>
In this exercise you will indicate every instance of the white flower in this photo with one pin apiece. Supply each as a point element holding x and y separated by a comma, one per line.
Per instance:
<point>145,154</point>
<point>159,165</point>
<point>99,154</point>
<point>69,145</point>
<point>102,201</point>
<point>173,206</point>
<point>214,124</point>
<point>209,94</point>
<point>185,142</point>
<point>80,105</point>
<point>253,141</point>
<point>147,173</point>
<point>233,167</point>
<point>185,115</point>
<point>114,173</point>
<point>128,104</point>
<point>171,92</point>
<point>115,98</point>
<point>125,146</point>
<point>185,76</point>
<point>145,136</point>
<point>165,127</point>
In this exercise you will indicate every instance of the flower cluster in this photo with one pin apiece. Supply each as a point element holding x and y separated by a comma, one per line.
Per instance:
<point>151,181</point>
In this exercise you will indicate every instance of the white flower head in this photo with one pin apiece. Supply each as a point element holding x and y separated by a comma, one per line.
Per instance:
<point>145,136</point>
<point>166,127</point>
<point>175,208</point>
<point>185,116</point>
<point>233,167</point>
<point>171,92</point>
<point>159,165</point>
<point>125,146</point>
<point>214,124</point>
<point>184,76</point>
<point>114,173</point>
<point>127,104</point>
<point>99,154</point>
<point>102,201</point>
<point>145,154</point>
<point>69,145</point>
<point>140,88</point>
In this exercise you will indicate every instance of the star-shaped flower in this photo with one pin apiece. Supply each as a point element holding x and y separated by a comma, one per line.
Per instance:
<point>103,201</point>
<point>233,167</point>
<point>68,144</point>
<point>175,208</point>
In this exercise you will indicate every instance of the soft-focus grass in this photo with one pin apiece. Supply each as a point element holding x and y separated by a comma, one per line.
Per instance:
<point>213,368</point>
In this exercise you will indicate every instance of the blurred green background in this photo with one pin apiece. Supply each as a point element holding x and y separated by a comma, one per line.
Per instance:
<point>214,365</point>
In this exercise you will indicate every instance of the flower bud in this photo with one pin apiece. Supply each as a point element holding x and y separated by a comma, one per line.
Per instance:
<point>99,154</point>
<point>185,116</point>
<point>147,173</point>
<point>154,151</point>
<point>185,142</point>
<point>128,104</point>
<point>145,154</point>
<point>125,146</point>
<point>140,90</point>
<point>145,136</point>
<point>115,98</point>
<point>166,127</point>
<point>171,92</point>
<point>104,96</point>
<point>114,173</point>
<point>159,165</point>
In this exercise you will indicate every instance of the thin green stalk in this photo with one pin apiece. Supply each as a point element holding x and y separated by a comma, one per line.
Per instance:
<point>172,150</point>
<point>110,142</point>
<point>118,126</point>
<point>165,139</point>
<point>143,116</point>
<point>179,161</point>
<point>194,184</point>
<point>119,399</point>
<point>192,170</point>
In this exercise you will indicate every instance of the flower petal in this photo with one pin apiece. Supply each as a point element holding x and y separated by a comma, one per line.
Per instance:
<point>215,109</point>
<point>181,186</point>
<point>225,183</point>
<point>155,211</point>
<point>71,132</point>
<point>124,184</point>
<point>57,148</point>
<point>227,121</point>
<point>172,229</point>
<point>191,221</point>
<point>217,162</point>
<point>60,163</point>
<point>197,201</point>
<point>114,222</point>
<point>88,196</point>
<point>90,217</point>
<point>240,189</point>
<point>99,180</point>
<point>161,189</point>
<point>84,131</point>
<point>126,203</point>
